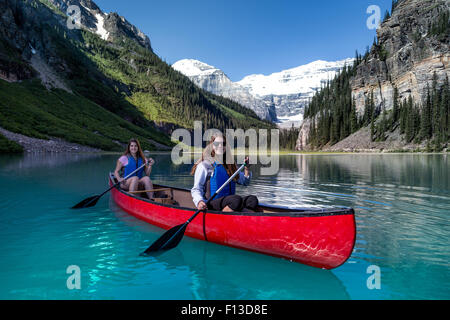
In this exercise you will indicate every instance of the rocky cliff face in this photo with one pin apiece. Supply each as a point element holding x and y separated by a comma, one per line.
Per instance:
<point>18,42</point>
<point>110,26</point>
<point>406,57</point>
<point>302,141</point>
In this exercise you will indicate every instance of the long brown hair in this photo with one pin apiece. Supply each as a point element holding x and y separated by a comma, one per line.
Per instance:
<point>208,153</point>
<point>140,153</point>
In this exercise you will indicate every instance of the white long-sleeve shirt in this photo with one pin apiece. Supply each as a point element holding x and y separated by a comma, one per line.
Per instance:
<point>202,172</point>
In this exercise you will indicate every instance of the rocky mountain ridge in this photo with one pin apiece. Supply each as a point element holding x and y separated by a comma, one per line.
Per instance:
<point>406,56</point>
<point>109,27</point>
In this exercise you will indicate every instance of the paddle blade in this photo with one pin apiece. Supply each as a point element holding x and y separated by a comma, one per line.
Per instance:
<point>169,240</point>
<point>86,203</point>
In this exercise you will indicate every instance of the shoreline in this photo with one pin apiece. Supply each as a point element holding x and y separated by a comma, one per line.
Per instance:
<point>53,145</point>
<point>293,153</point>
<point>58,145</point>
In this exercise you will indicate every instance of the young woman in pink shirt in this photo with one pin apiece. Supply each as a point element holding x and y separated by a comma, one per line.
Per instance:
<point>132,159</point>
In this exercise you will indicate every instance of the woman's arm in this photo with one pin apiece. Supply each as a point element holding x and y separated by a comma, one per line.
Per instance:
<point>149,165</point>
<point>198,190</point>
<point>245,177</point>
<point>247,172</point>
<point>119,167</point>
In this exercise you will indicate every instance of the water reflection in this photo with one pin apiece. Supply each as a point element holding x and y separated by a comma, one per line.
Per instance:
<point>401,204</point>
<point>218,272</point>
<point>43,160</point>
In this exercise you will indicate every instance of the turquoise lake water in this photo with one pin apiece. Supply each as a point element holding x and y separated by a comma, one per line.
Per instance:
<point>402,205</point>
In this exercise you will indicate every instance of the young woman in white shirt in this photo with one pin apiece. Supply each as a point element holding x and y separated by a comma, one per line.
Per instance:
<point>211,171</point>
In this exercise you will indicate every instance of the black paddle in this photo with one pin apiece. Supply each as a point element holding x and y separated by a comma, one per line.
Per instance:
<point>91,201</point>
<point>171,238</point>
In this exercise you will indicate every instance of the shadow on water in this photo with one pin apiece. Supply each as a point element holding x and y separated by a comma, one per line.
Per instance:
<point>228,273</point>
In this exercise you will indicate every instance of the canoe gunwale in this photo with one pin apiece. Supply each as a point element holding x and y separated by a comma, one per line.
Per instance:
<point>295,213</point>
<point>331,248</point>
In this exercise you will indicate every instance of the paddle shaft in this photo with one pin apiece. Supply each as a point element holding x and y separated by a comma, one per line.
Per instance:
<point>207,202</point>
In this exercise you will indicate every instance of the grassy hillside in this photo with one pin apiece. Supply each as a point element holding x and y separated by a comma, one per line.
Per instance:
<point>7,146</point>
<point>32,110</point>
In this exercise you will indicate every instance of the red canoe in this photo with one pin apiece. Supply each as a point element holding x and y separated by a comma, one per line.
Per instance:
<point>319,238</point>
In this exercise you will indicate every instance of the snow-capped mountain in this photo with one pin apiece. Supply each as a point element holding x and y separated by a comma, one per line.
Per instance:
<point>290,90</point>
<point>303,79</point>
<point>287,91</point>
<point>216,81</point>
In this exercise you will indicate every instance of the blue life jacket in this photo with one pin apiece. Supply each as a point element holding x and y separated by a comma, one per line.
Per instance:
<point>133,165</point>
<point>218,178</point>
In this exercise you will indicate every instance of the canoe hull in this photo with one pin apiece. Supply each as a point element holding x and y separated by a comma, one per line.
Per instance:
<point>319,239</point>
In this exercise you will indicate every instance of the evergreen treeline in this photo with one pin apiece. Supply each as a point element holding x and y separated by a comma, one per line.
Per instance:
<point>441,27</point>
<point>388,14</point>
<point>288,138</point>
<point>428,121</point>
<point>332,110</point>
<point>395,4</point>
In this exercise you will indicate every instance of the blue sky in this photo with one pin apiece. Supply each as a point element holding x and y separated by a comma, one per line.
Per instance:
<point>244,37</point>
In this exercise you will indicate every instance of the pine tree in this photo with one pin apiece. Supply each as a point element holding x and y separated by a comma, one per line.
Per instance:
<point>410,127</point>
<point>386,15</point>
<point>353,118</point>
<point>403,115</point>
<point>445,111</point>
<point>372,125</point>
<point>383,125</point>
<point>426,128</point>
<point>357,57</point>
<point>394,4</point>
<point>416,123</point>
<point>395,109</point>
<point>435,108</point>
<point>368,109</point>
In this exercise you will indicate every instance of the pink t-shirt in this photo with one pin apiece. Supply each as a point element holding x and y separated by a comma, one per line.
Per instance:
<point>124,160</point>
